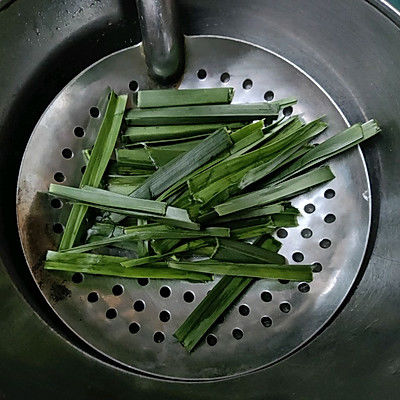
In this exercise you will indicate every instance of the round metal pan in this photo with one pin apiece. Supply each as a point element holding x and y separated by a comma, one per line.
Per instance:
<point>352,49</point>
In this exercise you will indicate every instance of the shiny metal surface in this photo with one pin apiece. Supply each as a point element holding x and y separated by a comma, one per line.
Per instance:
<point>351,48</point>
<point>252,72</point>
<point>163,41</point>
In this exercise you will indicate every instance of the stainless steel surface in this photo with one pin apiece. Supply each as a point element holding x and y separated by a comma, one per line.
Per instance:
<point>163,41</point>
<point>253,71</point>
<point>351,48</point>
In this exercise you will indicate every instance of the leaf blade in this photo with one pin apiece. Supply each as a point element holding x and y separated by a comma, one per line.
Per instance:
<point>184,97</point>
<point>277,192</point>
<point>295,273</point>
<point>100,155</point>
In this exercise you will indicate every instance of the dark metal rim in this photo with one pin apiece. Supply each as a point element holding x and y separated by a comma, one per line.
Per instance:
<point>387,10</point>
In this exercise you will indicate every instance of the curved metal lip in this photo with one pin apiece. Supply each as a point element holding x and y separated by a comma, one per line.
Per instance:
<point>387,9</point>
<point>391,8</point>
<point>127,368</point>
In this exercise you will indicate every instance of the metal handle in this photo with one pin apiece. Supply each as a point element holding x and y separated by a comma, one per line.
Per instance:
<point>163,42</point>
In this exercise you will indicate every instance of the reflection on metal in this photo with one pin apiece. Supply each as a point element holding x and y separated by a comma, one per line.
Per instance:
<point>163,41</point>
<point>259,345</point>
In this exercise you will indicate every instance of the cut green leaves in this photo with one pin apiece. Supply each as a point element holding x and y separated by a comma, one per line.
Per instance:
<point>187,185</point>
<point>331,147</point>
<point>224,113</point>
<point>183,97</point>
<point>135,158</point>
<point>297,273</point>
<point>175,233</point>
<point>278,192</point>
<point>178,217</point>
<point>263,170</point>
<point>184,248</point>
<point>149,232</point>
<point>252,213</point>
<point>247,131</point>
<point>123,184</point>
<point>96,264</point>
<point>223,294</point>
<point>106,138</point>
<point>174,133</point>
<point>175,170</point>
<point>105,198</point>
<point>241,252</point>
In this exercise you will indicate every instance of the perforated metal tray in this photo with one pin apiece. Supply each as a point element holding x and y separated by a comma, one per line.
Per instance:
<point>132,321</point>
